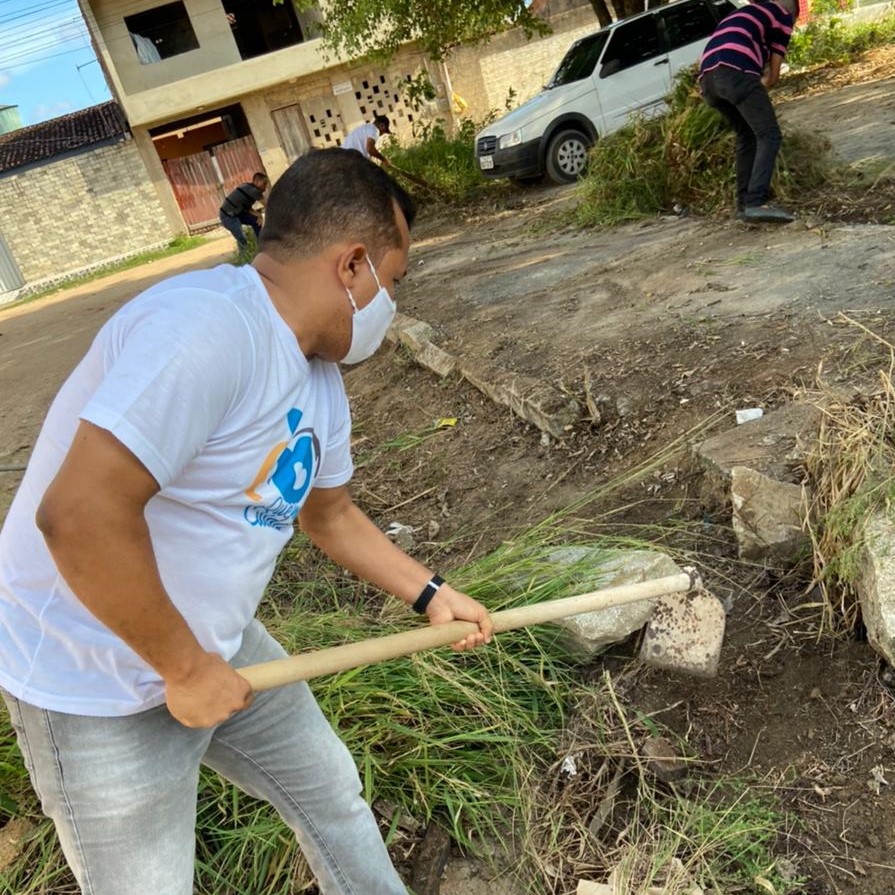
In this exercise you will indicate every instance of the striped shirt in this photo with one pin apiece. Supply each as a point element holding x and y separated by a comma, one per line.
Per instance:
<point>241,199</point>
<point>746,38</point>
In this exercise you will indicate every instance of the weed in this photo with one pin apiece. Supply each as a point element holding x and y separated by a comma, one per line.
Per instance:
<point>475,742</point>
<point>851,479</point>
<point>441,164</point>
<point>830,38</point>
<point>406,441</point>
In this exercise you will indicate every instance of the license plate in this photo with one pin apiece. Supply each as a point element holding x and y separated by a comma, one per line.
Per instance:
<point>486,162</point>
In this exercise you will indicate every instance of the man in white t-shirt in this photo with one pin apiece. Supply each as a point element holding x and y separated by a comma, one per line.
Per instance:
<point>207,415</point>
<point>363,139</point>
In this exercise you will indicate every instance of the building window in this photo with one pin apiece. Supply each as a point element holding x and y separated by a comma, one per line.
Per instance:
<point>161,32</point>
<point>262,27</point>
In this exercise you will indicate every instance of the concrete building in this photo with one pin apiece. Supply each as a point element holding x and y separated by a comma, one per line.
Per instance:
<point>216,89</point>
<point>74,197</point>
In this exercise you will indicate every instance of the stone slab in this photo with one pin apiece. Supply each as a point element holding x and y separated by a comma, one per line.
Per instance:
<point>531,399</point>
<point>774,445</point>
<point>535,401</point>
<point>768,518</point>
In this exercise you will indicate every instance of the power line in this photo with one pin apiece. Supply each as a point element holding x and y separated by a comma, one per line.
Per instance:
<point>52,56</point>
<point>29,37</point>
<point>10,61</point>
<point>32,12</point>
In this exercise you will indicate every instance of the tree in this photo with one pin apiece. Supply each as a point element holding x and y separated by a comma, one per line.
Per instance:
<point>378,28</point>
<point>602,12</point>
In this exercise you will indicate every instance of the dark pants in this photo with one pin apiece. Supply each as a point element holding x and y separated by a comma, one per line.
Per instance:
<point>742,99</point>
<point>234,223</point>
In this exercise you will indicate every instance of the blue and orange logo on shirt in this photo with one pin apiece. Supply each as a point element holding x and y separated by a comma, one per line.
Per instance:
<point>290,467</point>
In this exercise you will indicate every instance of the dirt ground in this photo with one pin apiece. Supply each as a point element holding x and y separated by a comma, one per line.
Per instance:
<point>662,326</point>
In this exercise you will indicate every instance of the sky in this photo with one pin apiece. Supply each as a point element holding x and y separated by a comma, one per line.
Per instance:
<point>47,67</point>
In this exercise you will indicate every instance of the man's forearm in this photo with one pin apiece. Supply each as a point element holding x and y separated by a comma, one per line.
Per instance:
<point>353,541</point>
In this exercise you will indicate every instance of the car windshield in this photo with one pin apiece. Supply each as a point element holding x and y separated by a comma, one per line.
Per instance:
<point>580,61</point>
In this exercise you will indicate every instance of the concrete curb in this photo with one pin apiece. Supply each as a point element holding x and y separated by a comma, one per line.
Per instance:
<point>530,399</point>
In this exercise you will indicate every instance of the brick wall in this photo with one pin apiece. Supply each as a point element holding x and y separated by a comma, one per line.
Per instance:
<point>485,75</point>
<point>76,213</point>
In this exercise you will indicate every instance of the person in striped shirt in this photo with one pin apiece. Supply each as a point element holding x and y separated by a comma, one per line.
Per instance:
<point>740,63</point>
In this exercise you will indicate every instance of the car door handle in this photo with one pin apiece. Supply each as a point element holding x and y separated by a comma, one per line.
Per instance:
<point>661,61</point>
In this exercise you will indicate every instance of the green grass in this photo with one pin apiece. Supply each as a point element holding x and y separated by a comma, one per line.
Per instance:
<point>405,442</point>
<point>831,38</point>
<point>175,247</point>
<point>443,164</point>
<point>469,741</point>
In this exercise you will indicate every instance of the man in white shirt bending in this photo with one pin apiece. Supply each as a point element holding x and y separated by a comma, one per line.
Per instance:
<point>208,415</point>
<point>363,139</point>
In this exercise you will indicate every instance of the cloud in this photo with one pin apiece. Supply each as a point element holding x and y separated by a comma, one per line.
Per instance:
<point>4,80</point>
<point>45,111</point>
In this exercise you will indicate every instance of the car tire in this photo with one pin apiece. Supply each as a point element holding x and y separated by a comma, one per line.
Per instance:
<point>567,156</point>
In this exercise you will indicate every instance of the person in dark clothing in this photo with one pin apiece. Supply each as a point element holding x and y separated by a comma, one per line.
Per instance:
<point>236,209</point>
<point>741,62</point>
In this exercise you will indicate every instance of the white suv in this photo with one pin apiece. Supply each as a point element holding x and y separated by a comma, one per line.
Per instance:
<point>603,79</point>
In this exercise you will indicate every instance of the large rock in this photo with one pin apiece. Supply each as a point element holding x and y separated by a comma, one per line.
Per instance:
<point>875,584</point>
<point>775,445</point>
<point>596,568</point>
<point>768,518</point>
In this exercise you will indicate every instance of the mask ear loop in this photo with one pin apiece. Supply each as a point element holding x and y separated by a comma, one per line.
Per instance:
<point>373,271</point>
<point>351,299</point>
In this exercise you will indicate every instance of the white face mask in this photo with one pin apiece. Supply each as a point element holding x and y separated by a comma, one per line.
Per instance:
<point>369,325</point>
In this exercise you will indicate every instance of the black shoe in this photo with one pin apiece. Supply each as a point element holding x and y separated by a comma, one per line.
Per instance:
<point>766,214</point>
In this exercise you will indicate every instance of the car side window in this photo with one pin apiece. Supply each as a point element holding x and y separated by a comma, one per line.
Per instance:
<point>686,23</point>
<point>580,61</point>
<point>630,44</point>
<point>721,8</point>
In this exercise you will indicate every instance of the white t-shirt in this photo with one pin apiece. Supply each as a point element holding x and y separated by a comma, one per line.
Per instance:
<point>203,381</point>
<point>357,139</point>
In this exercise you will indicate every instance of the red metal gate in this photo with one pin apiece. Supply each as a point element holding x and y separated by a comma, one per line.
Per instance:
<point>201,181</point>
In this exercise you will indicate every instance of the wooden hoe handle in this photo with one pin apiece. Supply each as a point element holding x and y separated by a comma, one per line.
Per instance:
<point>305,666</point>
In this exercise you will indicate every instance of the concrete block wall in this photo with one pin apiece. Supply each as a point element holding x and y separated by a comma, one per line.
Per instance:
<point>484,75</point>
<point>77,212</point>
<point>317,90</point>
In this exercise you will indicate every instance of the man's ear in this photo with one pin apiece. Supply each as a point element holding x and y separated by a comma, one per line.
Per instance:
<point>350,262</point>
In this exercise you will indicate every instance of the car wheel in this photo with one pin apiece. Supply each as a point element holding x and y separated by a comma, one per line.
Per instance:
<point>567,156</point>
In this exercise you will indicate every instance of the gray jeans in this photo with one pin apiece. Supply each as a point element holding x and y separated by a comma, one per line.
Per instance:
<point>122,791</point>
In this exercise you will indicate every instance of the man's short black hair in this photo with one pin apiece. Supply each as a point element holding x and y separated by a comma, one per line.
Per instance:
<point>329,196</point>
<point>260,175</point>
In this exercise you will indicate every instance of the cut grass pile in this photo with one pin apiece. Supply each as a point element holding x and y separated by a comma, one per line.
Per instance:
<point>684,160</point>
